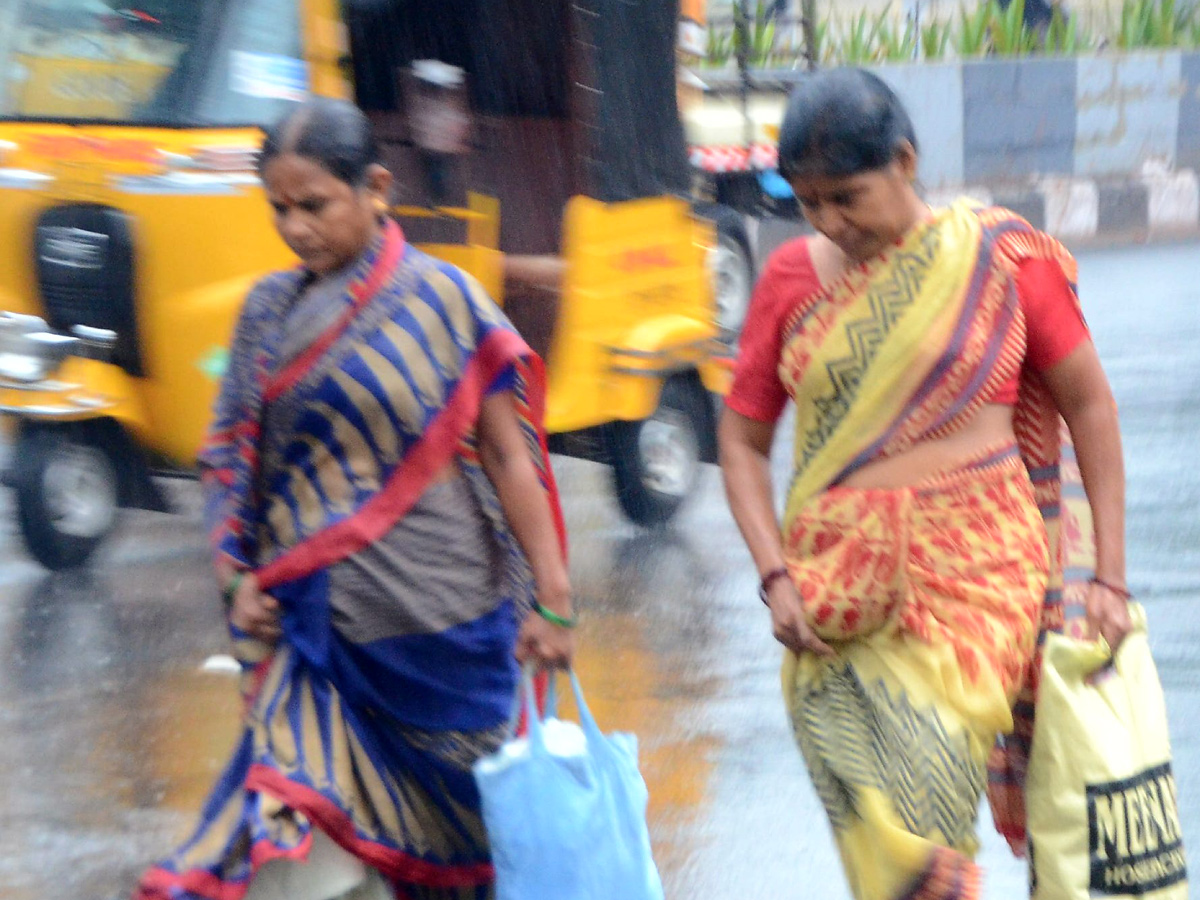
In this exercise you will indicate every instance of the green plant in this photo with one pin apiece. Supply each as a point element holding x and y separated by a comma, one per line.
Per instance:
<point>760,36</point>
<point>973,30</point>
<point>1187,25</point>
<point>935,40</point>
<point>1152,23</point>
<point>1064,37</point>
<point>895,43</point>
<point>823,47</point>
<point>719,48</point>
<point>1009,33</point>
<point>1136,24</point>
<point>860,43</point>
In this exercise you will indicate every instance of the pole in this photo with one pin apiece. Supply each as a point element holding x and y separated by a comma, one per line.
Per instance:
<point>741,31</point>
<point>808,21</point>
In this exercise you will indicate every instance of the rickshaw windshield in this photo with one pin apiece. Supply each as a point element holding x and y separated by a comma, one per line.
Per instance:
<point>178,63</point>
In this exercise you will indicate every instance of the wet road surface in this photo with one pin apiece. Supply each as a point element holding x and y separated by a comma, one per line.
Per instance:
<point>111,730</point>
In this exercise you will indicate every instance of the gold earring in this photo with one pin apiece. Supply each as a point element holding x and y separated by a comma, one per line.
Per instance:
<point>381,206</point>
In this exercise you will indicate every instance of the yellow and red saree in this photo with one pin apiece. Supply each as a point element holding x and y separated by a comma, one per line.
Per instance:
<point>933,595</point>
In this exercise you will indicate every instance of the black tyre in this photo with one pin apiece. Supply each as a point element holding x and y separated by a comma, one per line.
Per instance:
<point>67,493</point>
<point>731,267</point>
<point>656,462</point>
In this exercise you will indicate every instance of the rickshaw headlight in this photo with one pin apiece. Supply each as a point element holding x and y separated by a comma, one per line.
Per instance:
<point>23,368</point>
<point>30,352</point>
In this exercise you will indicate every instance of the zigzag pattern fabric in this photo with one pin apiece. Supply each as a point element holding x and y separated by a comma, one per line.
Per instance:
<point>933,596</point>
<point>859,738</point>
<point>886,301</point>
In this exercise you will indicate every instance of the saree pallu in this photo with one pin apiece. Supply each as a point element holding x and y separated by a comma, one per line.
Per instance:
<point>931,596</point>
<point>366,733</point>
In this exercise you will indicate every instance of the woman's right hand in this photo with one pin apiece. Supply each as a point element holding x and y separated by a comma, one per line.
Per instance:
<point>254,612</point>
<point>788,622</point>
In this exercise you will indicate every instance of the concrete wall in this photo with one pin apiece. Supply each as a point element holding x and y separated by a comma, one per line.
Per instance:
<point>1008,122</point>
<point>1020,119</point>
<point>1095,147</point>
<point>1126,113</point>
<point>933,95</point>
<point>1187,153</point>
<point>1090,147</point>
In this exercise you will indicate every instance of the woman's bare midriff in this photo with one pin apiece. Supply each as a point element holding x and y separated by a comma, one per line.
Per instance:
<point>992,426</point>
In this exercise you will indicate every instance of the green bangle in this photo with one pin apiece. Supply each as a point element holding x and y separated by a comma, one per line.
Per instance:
<point>554,618</point>
<point>230,590</point>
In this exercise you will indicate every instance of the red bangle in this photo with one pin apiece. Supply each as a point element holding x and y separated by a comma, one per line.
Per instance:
<point>767,580</point>
<point>1112,588</point>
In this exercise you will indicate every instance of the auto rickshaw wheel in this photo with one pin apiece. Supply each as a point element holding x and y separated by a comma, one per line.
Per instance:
<point>67,494</point>
<point>731,268</point>
<point>656,462</point>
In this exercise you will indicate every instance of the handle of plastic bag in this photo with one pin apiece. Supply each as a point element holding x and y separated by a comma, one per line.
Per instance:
<point>1091,659</point>
<point>590,729</point>
<point>1080,658</point>
<point>550,702</point>
<point>526,701</point>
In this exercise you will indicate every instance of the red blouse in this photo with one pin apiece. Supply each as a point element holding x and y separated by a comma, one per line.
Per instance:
<point>1053,327</point>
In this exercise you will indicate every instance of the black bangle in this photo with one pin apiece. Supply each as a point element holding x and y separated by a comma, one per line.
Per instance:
<point>554,618</point>
<point>769,579</point>
<point>1121,592</point>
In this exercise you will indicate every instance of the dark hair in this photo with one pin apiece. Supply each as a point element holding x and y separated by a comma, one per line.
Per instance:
<point>842,122</point>
<point>335,134</point>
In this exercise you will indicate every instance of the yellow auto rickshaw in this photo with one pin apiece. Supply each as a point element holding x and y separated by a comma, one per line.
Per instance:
<point>132,222</point>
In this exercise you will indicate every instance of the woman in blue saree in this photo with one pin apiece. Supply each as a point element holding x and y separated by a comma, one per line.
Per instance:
<point>384,521</point>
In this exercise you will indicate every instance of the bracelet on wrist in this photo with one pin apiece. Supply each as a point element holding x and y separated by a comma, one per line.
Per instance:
<point>231,588</point>
<point>554,618</point>
<point>764,586</point>
<point>1112,588</point>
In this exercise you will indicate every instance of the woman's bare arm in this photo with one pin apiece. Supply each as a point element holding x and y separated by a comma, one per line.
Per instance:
<point>745,446</point>
<point>1084,399</point>
<point>504,452</point>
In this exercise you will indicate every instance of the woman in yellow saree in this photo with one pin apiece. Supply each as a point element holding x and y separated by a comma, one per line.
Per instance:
<point>932,357</point>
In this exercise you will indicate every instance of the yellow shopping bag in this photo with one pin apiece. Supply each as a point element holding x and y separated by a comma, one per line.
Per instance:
<point>1103,819</point>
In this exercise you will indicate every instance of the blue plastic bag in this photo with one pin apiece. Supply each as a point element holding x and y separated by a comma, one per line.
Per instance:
<point>565,811</point>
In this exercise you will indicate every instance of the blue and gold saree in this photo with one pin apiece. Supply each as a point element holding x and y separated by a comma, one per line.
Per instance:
<point>364,720</point>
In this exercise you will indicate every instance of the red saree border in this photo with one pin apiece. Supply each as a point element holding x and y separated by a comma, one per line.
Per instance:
<point>160,884</point>
<point>361,292</point>
<point>949,875</point>
<point>436,448</point>
<point>324,814</point>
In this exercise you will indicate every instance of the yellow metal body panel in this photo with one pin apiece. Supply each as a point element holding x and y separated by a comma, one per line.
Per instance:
<point>636,302</point>
<point>203,238</point>
<point>326,46</point>
<point>85,389</point>
<point>480,255</point>
<point>84,88</point>
<point>637,305</point>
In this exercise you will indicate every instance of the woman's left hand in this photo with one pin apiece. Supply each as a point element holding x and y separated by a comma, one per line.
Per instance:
<point>1107,615</point>
<point>546,645</point>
